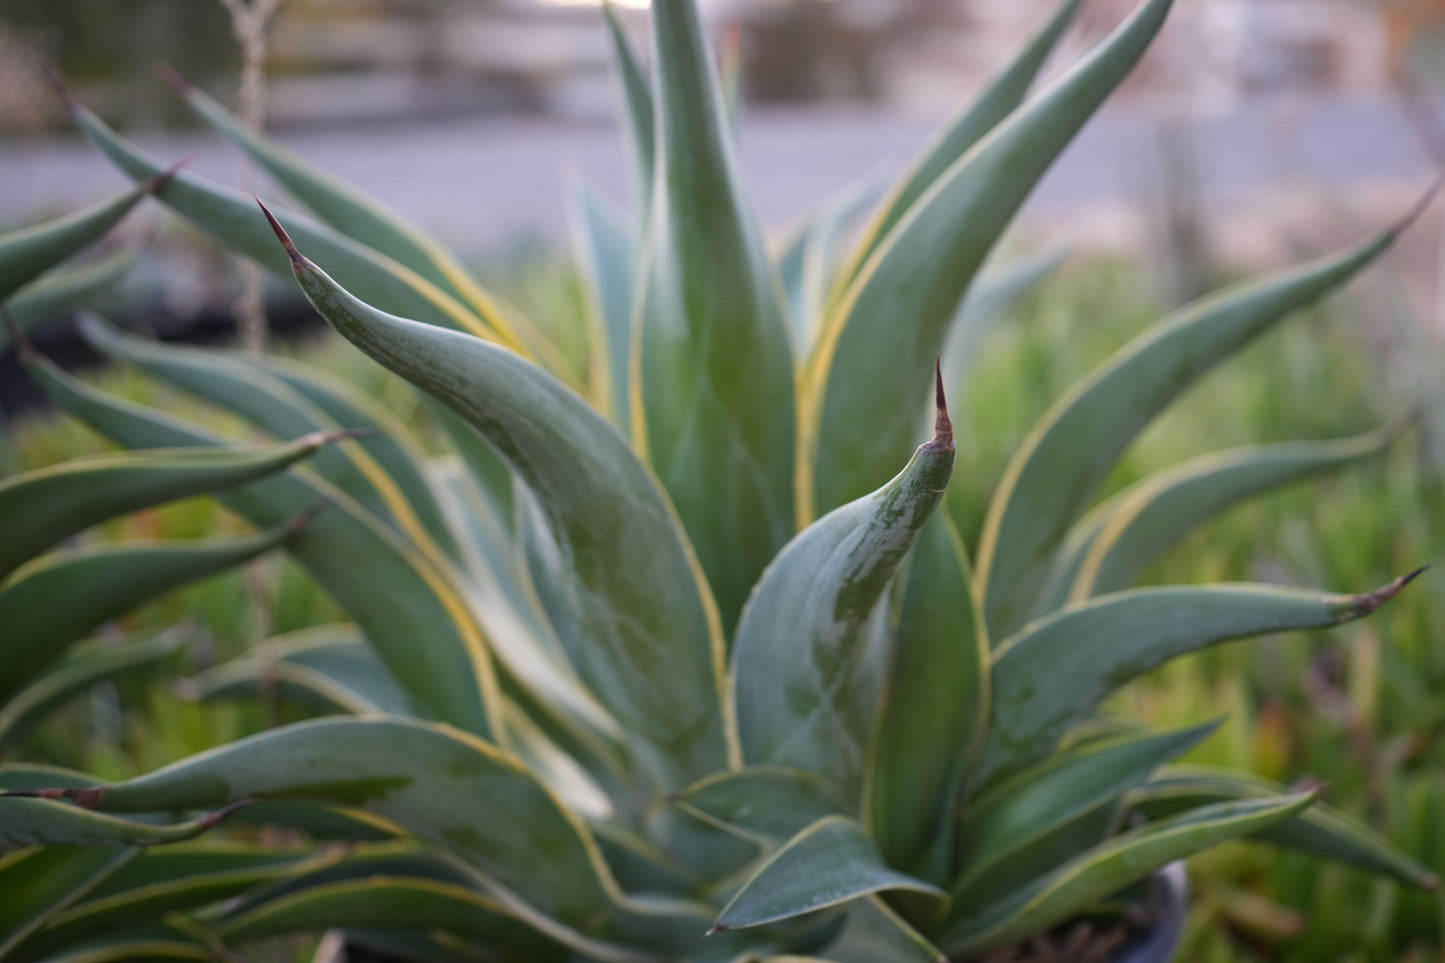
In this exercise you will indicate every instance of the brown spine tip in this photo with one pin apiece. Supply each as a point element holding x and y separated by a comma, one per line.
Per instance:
<point>173,78</point>
<point>155,184</point>
<point>1419,207</point>
<point>1430,883</point>
<point>57,85</point>
<point>297,261</point>
<point>213,818</point>
<point>716,928</point>
<point>942,426</point>
<point>1372,601</point>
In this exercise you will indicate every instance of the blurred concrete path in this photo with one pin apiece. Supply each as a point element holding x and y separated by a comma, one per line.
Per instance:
<point>482,183</point>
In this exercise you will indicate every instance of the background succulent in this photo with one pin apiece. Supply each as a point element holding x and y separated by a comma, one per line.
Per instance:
<point>682,657</point>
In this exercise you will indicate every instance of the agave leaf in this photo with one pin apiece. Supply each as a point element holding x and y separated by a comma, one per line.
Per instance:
<point>638,864</point>
<point>56,599</point>
<point>1321,830</point>
<point>41,508</point>
<point>387,901</point>
<point>31,251</point>
<point>270,404</point>
<point>1056,472</point>
<point>608,259</point>
<point>955,138</point>
<point>37,883</point>
<point>386,439</point>
<point>653,648</point>
<point>229,216</point>
<point>1162,509</point>
<point>1014,833</point>
<point>730,78</point>
<point>447,787</point>
<point>159,882</point>
<point>934,707</point>
<point>716,416</point>
<point>412,614</point>
<point>330,665</point>
<point>812,647</point>
<point>176,939</point>
<point>808,254</point>
<point>637,98</point>
<point>77,673</point>
<point>922,270</point>
<point>1110,867</point>
<point>769,804</point>
<point>37,818</point>
<point>831,862</point>
<point>1058,670</point>
<point>874,932</point>
<point>996,290</point>
<point>58,292</point>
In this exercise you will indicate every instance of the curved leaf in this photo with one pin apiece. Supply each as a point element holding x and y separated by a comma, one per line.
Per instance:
<point>1059,669</point>
<point>652,649</point>
<point>1056,472</point>
<point>36,817</point>
<point>833,861</point>
<point>37,883</point>
<point>56,599</point>
<point>713,358</point>
<point>41,508</point>
<point>934,710</point>
<point>30,252</point>
<point>329,665</point>
<point>1160,510</point>
<point>1321,830</point>
<point>811,648</point>
<point>412,614</point>
<point>955,138</point>
<point>769,804</point>
<point>447,787</point>
<point>363,218</point>
<point>1109,868</point>
<point>1023,828</point>
<point>61,291</point>
<point>229,216</point>
<point>922,271</point>
<point>80,671</point>
<point>267,402</point>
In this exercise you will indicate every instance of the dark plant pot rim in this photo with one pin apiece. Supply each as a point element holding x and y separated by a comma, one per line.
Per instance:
<point>1158,944</point>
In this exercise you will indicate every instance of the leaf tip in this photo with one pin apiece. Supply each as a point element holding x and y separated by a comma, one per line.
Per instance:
<point>1430,882</point>
<point>298,261</point>
<point>942,426</point>
<point>716,928</point>
<point>173,78</point>
<point>303,518</point>
<point>220,815</point>
<point>1418,208</point>
<point>1371,602</point>
<point>155,184</point>
<point>52,77</point>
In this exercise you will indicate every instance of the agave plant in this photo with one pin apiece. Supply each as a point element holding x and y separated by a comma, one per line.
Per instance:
<point>681,656</point>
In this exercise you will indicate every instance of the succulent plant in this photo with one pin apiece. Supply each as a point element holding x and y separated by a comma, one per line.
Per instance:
<point>681,656</point>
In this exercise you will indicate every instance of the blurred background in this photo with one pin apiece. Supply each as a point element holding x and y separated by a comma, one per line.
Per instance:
<point>1255,134</point>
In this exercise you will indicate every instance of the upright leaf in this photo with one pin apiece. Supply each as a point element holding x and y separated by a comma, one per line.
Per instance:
<point>1056,472</point>
<point>637,99</point>
<point>1058,670</point>
<point>608,259</point>
<point>831,862</point>
<point>813,644</point>
<point>955,138</point>
<point>894,316</point>
<point>651,650</point>
<point>411,613</point>
<point>716,417</point>
<point>934,706</point>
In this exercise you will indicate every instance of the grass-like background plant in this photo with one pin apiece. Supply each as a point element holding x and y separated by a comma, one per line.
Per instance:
<point>666,621</point>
